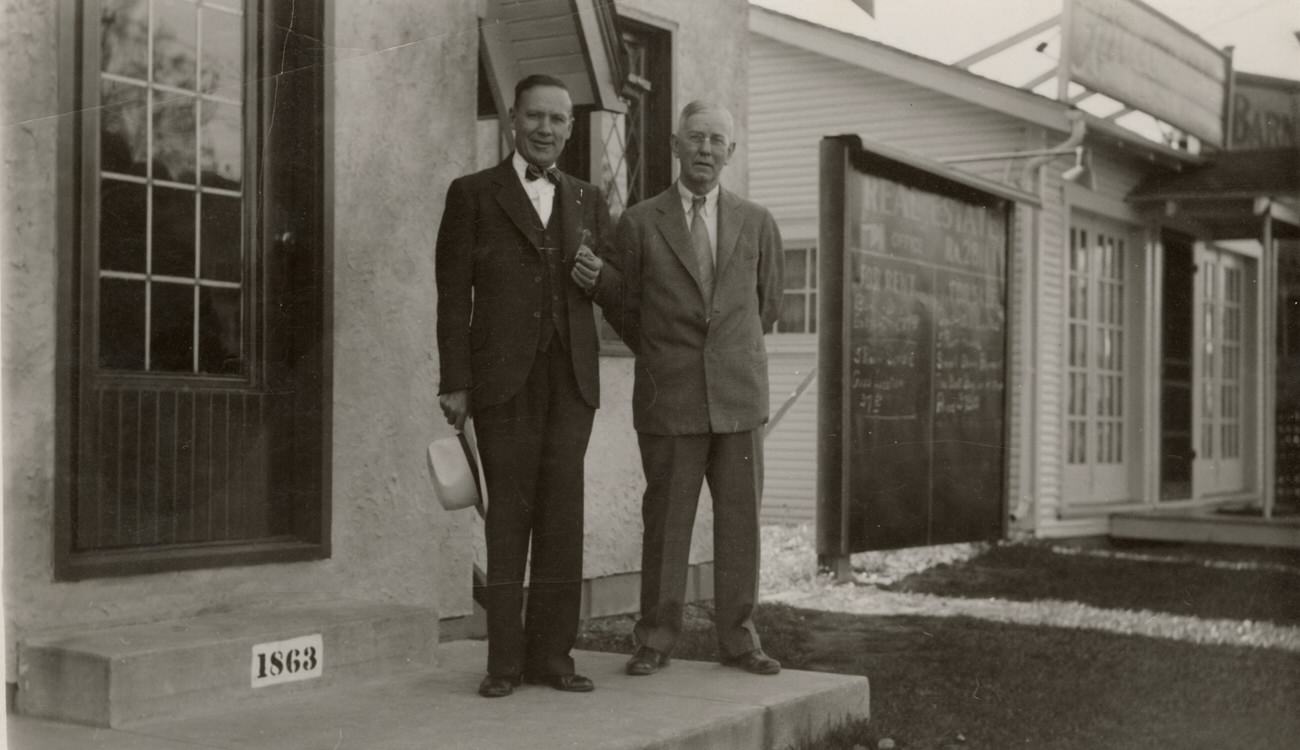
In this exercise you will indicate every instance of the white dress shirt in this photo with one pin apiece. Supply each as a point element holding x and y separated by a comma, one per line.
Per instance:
<point>710,212</point>
<point>540,191</point>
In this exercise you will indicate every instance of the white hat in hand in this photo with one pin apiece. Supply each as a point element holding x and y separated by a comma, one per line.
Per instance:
<point>454,469</point>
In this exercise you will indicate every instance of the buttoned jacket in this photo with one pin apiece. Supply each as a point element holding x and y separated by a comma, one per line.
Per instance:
<point>491,286</point>
<point>698,369</point>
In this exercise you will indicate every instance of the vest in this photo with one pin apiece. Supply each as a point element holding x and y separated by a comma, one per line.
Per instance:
<point>555,307</point>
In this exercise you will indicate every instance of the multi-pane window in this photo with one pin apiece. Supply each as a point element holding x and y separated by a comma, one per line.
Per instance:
<point>799,306</point>
<point>636,163</point>
<point>171,263</point>
<point>1095,344</point>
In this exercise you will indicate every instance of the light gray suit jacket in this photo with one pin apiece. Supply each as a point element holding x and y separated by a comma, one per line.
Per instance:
<point>697,370</point>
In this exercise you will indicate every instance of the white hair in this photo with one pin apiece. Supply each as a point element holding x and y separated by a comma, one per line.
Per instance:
<point>702,105</point>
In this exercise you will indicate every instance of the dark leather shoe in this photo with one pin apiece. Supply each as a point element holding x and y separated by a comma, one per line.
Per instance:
<point>646,661</point>
<point>493,686</point>
<point>569,683</point>
<point>755,662</point>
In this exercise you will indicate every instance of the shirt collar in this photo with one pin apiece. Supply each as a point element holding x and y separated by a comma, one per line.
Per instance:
<point>521,165</point>
<point>710,198</point>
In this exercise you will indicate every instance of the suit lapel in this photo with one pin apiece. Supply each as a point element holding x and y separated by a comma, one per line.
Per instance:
<point>514,201</point>
<point>730,219</point>
<point>672,225</point>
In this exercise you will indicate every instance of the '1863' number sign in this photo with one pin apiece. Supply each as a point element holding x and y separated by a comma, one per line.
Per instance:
<point>275,662</point>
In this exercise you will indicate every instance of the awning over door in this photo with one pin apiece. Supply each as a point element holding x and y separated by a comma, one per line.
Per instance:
<point>1231,194</point>
<point>576,41</point>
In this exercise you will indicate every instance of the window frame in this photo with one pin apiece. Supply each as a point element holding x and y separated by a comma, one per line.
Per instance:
<point>808,292</point>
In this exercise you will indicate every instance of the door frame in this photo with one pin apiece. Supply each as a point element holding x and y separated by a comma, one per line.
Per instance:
<point>1249,367</point>
<point>1137,365</point>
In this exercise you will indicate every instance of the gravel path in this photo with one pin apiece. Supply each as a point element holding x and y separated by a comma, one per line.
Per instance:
<point>788,576</point>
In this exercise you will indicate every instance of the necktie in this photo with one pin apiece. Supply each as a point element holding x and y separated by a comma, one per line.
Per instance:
<point>703,249</point>
<point>534,172</point>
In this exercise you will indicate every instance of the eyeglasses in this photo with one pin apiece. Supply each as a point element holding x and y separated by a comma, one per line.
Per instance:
<point>698,139</point>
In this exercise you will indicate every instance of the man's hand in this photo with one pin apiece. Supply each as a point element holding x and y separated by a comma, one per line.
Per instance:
<point>586,268</point>
<point>455,407</point>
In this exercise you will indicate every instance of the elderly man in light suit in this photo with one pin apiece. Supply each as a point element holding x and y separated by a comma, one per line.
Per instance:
<point>692,286</point>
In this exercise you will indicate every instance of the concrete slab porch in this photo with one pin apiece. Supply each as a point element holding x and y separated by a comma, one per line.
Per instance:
<point>690,705</point>
<point>1208,526</point>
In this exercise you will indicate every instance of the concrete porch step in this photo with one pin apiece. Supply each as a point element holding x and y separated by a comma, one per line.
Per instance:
<point>119,676</point>
<point>688,706</point>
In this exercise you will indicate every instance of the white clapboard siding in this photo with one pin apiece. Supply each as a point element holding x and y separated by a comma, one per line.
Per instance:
<point>797,96</point>
<point>1050,286</point>
<point>790,448</point>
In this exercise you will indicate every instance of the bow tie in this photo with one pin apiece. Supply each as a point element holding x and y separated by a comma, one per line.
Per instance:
<point>534,172</point>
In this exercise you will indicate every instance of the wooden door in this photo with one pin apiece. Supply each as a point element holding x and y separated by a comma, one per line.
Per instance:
<point>199,373</point>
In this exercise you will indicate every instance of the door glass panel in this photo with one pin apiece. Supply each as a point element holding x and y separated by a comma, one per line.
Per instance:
<point>121,324</point>
<point>220,237</point>
<point>222,53</point>
<point>123,133</point>
<point>221,158</point>
<point>124,34</point>
<point>220,317</point>
<point>171,323</point>
<point>175,43</point>
<point>173,137</point>
<point>122,214</point>
<point>173,232</point>
<point>157,226</point>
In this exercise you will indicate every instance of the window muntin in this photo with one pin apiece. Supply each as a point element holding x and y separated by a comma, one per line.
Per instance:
<point>172,261</point>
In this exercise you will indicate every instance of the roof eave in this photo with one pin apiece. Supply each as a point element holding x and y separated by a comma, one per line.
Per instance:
<point>955,82</point>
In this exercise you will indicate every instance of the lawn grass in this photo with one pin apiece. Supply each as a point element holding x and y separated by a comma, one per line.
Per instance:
<point>960,682</point>
<point>1172,582</point>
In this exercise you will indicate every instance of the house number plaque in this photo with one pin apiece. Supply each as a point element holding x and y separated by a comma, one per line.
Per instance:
<point>276,662</point>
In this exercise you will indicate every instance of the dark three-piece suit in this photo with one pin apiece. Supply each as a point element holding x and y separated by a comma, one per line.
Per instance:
<point>518,334</point>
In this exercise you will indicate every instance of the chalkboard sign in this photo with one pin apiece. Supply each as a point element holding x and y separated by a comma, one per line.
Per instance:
<point>913,354</point>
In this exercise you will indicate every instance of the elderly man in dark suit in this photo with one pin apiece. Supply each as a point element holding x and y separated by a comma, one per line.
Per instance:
<point>517,342</point>
<point>694,283</point>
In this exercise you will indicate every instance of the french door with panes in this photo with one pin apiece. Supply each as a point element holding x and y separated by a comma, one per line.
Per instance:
<point>1224,305</point>
<point>198,368</point>
<point>1100,376</point>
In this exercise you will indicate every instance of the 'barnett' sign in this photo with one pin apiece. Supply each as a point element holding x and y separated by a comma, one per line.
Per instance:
<point>1265,112</point>
<point>1134,54</point>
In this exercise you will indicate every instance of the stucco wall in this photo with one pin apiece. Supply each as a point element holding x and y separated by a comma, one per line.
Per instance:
<point>710,44</point>
<point>404,128</point>
<point>29,107</point>
<point>403,90</point>
<point>711,49</point>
